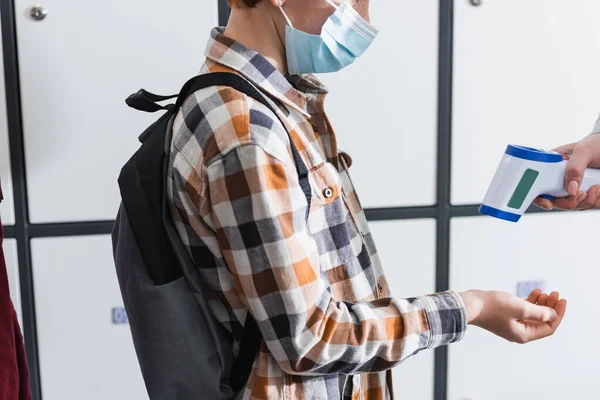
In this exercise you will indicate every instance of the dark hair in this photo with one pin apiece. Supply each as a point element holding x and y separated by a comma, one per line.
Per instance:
<point>247,3</point>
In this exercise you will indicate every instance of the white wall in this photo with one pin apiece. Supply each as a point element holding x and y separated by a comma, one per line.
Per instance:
<point>558,250</point>
<point>83,353</point>
<point>7,214</point>
<point>407,251</point>
<point>77,68</point>
<point>12,268</point>
<point>526,73</point>
<point>384,107</point>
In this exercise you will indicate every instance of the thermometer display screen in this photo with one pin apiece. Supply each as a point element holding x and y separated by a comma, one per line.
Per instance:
<point>520,194</point>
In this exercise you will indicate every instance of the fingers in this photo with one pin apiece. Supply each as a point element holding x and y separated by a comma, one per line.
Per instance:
<point>542,300</point>
<point>539,313</point>
<point>552,299</point>
<point>592,198</point>
<point>561,309</point>
<point>534,295</point>
<point>578,162</point>
<point>543,203</point>
<point>583,201</point>
<point>596,205</point>
<point>580,156</point>
<point>567,149</point>
<point>531,330</point>
<point>569,203</point>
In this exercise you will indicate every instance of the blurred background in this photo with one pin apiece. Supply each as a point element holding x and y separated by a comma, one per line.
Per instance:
<point>455,82</point>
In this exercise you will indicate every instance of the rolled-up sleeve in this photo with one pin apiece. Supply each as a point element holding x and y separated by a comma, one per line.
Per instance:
<point>259,214</point>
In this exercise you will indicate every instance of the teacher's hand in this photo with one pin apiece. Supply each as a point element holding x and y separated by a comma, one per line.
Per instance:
<point>581,155</point>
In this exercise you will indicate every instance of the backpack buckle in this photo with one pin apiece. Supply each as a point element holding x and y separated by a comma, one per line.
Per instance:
<point>143,100</point>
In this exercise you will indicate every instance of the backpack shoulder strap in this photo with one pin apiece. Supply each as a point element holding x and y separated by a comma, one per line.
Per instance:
<point>251,337</point>
<point>242,85</point>
<point>146,101</point>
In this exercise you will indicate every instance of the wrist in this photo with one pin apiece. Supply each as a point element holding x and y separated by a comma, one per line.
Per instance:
<point>473,300</point>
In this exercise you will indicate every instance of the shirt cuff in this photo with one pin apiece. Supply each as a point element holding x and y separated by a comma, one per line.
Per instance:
<point>447,317</point>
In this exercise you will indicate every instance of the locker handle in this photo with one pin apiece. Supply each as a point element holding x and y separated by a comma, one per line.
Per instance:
<point>38,12</point>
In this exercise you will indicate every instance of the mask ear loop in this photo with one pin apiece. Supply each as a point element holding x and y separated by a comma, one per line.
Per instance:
<point>286,17</point>
<point>332,4</point>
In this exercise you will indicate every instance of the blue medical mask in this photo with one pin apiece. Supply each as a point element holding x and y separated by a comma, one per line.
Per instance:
<point>344,38</point>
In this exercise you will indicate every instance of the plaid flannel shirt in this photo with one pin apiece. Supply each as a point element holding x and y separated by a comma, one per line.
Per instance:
<point>315,285</point>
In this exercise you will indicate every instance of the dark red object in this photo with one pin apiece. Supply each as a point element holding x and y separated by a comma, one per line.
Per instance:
<point>14,372</point>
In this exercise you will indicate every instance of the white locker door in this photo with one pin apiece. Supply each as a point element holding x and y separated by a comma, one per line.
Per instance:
<point>7,213</point>
<point>407,251</point>
<point>77,67</point>
<point>85,352</point>
<point>12,268</point>
<point>560,251</point>
<point>525,72</point>
<point>384,107</point>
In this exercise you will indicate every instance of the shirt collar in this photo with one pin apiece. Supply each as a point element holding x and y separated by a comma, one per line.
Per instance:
<point>295,91</point>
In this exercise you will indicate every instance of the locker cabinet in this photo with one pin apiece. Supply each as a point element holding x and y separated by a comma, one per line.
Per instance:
<point>77,67</point>
<point>85,345</point>
<point>407,251</point>
<point>560,252</point>
<point>7,214</point>
<point>12,268</point>
<point>384,107</point>
<point>525,72</point>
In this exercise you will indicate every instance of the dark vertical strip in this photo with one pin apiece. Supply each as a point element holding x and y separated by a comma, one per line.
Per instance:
<point>443,178</point>
<point>17,152</point>
<point>224,12</point>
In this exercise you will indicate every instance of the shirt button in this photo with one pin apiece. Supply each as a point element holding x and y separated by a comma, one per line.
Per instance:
<point>328,193</point>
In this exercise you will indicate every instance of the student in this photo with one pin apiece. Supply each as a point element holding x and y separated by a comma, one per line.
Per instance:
<point>314,284</point>
<point>581,155</point>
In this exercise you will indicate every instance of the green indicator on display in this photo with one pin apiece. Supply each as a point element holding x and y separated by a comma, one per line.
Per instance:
<point>523,188</point>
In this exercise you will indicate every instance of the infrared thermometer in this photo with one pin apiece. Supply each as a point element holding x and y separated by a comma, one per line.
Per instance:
<point>524,174</point>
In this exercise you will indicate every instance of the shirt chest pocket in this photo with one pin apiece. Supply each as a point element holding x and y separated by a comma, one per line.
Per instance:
<point>330,222</point>
<point>326,187</point>
<point>326,184</point>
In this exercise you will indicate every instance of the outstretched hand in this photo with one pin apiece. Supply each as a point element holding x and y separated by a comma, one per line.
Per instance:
<point>515,319</point>
<point>541,329</point>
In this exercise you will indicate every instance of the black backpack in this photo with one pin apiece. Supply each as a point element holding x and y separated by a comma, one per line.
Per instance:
<point>183,351</point>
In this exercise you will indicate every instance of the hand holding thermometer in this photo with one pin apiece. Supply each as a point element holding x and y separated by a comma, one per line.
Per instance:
<point>524,174</point>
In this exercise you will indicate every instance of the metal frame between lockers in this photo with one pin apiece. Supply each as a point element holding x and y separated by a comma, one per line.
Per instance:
<point>23,231</point>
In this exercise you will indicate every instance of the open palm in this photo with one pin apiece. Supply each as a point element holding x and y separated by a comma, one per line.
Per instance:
<point>537,329</point>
